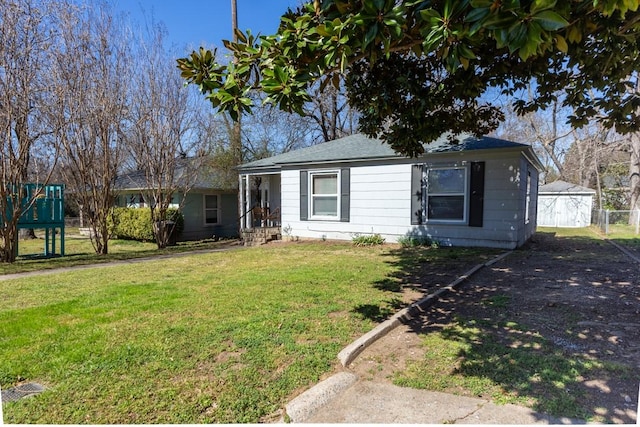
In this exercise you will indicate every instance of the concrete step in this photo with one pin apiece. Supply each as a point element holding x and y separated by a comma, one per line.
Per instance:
<point>260,236</point>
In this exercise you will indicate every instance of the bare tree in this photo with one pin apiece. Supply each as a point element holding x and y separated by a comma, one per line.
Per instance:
<point>270,131</point>
<point>26,40</point>
<point>330,111</point>
<point>546,131</point>
<point>161,114</point>
<point>92,75</point>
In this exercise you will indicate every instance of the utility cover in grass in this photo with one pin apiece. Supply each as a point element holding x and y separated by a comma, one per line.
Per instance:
<point>20,391</point>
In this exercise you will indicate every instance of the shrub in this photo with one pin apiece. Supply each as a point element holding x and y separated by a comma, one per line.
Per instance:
<point>368,240</point>
<point>410,241</point>
<point>135,223</point>
<point>176,216</point>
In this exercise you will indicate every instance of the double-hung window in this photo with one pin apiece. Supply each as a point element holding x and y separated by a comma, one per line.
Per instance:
<point>211,209</point>
<point>324,194</point>
<point>450,194</point>
<point>446,195</point>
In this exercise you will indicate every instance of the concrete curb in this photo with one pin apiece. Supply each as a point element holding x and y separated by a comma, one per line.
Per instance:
<point>624,250</point>
<point>350,352</point>
<point>319,395</point>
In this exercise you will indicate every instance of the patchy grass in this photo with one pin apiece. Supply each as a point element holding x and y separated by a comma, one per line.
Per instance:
<point>468,358</point>
<point>513,337</point>
<point>205,338</point>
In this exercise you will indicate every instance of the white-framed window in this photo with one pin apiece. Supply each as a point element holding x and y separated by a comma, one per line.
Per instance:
<point>324,195</point>
<point>211,209</point>
<point>446,194</point>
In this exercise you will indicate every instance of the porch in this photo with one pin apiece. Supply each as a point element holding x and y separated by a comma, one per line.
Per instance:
<point>260,219</point>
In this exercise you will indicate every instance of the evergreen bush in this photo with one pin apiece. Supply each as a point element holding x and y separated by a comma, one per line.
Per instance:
<point>135,223</point>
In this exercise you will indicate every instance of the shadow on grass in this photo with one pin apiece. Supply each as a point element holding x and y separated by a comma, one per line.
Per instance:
<point>631,244</point>
<point>544,328</point>
<point>420,270</point>
<point>379,313</point>
<point>425,269</point>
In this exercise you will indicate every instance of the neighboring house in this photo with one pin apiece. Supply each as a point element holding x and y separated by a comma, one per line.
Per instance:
<point>562,204</point>
<point>473,192</point>
<point>209,209</point>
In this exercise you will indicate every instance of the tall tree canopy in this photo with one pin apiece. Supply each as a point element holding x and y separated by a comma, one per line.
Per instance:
<point>418,67</point>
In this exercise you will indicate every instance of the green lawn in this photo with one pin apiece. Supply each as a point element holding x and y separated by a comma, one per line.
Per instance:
<point>224,337</point>
<point>216,337</point>
<point>624,235</point>
<point>619,233</point>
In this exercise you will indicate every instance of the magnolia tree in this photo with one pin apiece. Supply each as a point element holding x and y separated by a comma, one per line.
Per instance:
<point>416,68</point>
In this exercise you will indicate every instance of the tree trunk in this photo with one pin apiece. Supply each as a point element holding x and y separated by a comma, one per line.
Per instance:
<point>27,233</point>
<point>9,250</point>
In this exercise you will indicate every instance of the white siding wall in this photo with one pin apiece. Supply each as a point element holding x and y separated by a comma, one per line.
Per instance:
<point>380,203</point>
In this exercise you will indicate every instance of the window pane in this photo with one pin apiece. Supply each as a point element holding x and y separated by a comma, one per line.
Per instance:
<point>325,184</point>
<point>211,217</point>
<point>446,207</point>
<point>446,180</point>
<point>325,206</point>
<point>211,202</point>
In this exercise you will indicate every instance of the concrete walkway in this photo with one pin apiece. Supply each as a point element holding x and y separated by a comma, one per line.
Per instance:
<point>370,402</point>
<point>227,247</point>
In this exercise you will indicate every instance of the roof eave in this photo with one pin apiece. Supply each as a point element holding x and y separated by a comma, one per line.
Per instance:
<point>277,167</point>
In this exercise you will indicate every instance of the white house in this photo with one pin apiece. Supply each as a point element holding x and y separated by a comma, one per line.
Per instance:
<point>562,204</point>
<point>466,192</point>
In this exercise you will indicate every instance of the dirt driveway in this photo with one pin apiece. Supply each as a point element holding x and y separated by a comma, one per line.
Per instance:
<point>581,296</point>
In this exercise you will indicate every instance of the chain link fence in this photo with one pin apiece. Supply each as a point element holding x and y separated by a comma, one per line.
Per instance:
<point>617,222</point>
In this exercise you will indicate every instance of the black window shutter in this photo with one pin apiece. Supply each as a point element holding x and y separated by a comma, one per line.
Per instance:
<point>304,195</point>
<point>416,194</point>
<point>476,200</point>
<point>345,190</point>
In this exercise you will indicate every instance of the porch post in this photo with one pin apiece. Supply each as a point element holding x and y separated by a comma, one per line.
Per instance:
<point>266,197</point>
<point>248,217</point>
<point>241,206</point>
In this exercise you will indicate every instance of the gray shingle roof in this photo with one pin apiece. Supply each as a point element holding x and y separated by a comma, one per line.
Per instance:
<point>560,186</point>
<point>359,147</point>
<point>197,173</point>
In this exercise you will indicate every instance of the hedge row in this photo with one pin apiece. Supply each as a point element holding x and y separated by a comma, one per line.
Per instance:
<point>135,223</point>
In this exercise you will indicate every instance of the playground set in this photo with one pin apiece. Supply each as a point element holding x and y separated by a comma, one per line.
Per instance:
<point>46,212</point>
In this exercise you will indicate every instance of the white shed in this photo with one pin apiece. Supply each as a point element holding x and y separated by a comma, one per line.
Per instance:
<point>562,204</point>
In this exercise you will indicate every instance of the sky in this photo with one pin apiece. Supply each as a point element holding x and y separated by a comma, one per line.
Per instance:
<point>192,23</point>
